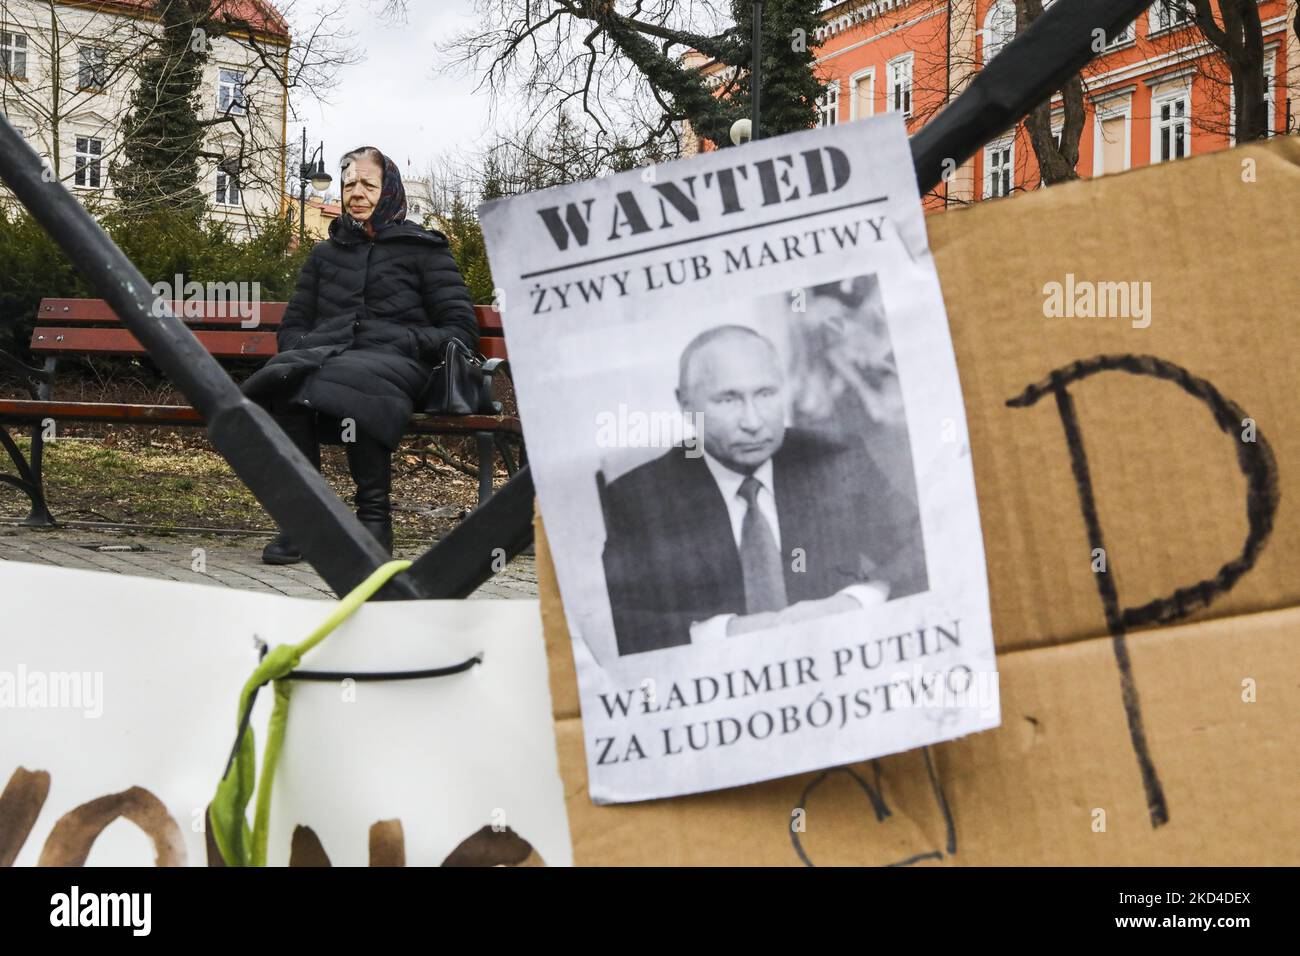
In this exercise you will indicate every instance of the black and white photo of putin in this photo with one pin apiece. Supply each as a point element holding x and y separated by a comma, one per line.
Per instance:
<point>755,524</point>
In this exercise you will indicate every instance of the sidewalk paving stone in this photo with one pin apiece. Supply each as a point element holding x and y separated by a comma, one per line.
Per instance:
<point>233,561</point>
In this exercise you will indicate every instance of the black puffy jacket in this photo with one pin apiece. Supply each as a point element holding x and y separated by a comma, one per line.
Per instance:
<point>365,325</point>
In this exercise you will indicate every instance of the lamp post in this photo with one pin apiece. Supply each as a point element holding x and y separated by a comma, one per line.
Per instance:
<point>307,173</point>
<point>755,70</point>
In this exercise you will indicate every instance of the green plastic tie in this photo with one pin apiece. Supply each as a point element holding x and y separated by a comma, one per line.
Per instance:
<point>238,844</point>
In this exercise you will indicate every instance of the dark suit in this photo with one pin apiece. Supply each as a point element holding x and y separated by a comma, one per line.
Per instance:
<point>671,557</point>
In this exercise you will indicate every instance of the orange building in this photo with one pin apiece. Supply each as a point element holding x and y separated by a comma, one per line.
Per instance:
<point>1158,92</point>
<point>316,217</point>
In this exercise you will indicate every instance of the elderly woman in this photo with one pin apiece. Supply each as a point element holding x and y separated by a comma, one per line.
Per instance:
<point>373,306</point>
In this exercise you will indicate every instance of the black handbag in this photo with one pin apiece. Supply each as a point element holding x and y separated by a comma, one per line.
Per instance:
<point>457,386</point>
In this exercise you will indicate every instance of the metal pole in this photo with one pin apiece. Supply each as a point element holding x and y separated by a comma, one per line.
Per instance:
<point>756,71</point>
<point>460,562</point>
<point>302,191</point>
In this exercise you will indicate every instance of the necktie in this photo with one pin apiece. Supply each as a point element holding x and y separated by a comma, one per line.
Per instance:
<point>760,561</point>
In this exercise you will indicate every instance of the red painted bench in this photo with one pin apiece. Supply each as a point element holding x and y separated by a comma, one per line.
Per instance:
<point>89,327</point>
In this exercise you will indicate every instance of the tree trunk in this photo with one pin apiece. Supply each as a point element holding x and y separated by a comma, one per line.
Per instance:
<point>1249,102</point>
<point>1239,37</point>
<point>1055,164</point>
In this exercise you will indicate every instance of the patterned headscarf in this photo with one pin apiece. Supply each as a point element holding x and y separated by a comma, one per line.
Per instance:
<point>390,209</point>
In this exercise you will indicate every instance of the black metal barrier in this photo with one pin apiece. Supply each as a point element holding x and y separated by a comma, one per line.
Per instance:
<point>1024,74</point>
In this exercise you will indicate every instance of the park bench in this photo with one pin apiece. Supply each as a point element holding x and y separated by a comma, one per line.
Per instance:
<point>68,328</point>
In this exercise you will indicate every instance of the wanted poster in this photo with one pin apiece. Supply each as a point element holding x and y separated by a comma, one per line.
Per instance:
<point>749,446</point>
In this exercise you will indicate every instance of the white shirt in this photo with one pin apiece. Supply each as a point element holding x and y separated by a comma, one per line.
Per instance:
<point>728,481</point>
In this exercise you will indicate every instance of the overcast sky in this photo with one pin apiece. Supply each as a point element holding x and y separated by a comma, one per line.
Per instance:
<point>393,99</point>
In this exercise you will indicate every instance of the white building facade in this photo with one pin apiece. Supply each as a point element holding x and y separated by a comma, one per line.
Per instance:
<point>67,70</point>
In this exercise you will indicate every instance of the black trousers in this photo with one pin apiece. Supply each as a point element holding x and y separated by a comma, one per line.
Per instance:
<point>369,461</point>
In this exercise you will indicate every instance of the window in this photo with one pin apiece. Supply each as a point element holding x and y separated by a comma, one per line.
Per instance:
<point>1112,133</point>
<point>999,28</point>
<point>89,152</point>
<point>13,54</point>
<point>828,105</point>
<point>230,93</point>
<point>227,189</point>
<point>862,94</point>
<point>1169,15</point>
<point>1173,134</point>
<point>999,160</point>
<point>1112,154</point>
<point>1269,97</point>
<point>899,98</point>
<point>93,74</point>
<point>415,208</point>
<point>1127,35</point>
<point>229,192</point>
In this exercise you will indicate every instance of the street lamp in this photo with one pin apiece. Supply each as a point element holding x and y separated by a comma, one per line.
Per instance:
<point>307,173</point>
<point>755,72</point>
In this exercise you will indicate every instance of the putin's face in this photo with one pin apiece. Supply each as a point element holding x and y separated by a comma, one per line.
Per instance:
<point>736,383</point>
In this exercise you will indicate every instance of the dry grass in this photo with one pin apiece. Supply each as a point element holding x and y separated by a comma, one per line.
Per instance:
<point>173,478</point>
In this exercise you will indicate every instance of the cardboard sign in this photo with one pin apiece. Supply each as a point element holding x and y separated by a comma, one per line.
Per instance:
<point>118,697</point>
<point>1137,473</point>
<point>763,516</point>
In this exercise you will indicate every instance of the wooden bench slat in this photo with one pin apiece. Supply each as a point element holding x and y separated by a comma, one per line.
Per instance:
<point>489,320</point>
<point>54,340</point>
<point>97,312</point>
<point>251,344</point>
<point>25,410</point>
<point>269,314</point>
<point>422,423</point>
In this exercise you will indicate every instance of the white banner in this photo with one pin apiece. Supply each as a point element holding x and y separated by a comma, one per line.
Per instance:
<point>118,697</point>
<point>749,445</point>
